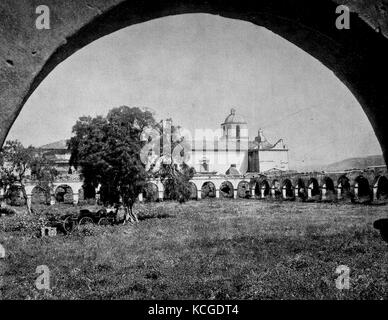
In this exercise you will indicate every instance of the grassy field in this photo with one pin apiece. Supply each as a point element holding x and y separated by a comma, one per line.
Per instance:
<point>229,249</point>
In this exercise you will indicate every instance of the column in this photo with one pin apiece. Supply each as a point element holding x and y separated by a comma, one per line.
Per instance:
<point>235,195</point>
<point>339,191</point>
<point>75,198</point>
<point>297,192</point>
<point>375,189</point>
<point>273,192</point>
<point>160,195</point>
<point>199,194</point>
<point>309,191</point>
<point>262,192</point>
<point>284,192</point>
<point>52,199</point>
<point>140,197</point>
<point>324,190</point>
<point>217,193</point>
<point>356,191</point>
<point>253,193</point>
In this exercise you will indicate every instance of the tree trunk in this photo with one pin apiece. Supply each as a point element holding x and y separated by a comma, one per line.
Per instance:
<point>26,198</point>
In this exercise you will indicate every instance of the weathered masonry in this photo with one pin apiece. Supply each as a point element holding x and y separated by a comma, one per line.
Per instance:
<point>358,186</point>
<point>357,56</point>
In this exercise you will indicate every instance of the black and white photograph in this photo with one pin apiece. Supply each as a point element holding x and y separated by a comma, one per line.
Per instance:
<point>193,150</point>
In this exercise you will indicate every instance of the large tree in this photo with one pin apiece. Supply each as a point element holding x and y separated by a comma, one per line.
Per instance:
<point>173,169</point>
<point>107,150</point>
<point>19,163</point>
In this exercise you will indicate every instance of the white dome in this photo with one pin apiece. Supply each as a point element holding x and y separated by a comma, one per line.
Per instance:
<point>233,118</point>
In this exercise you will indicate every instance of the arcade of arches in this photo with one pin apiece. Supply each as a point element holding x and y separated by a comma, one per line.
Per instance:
<point>368,186</point>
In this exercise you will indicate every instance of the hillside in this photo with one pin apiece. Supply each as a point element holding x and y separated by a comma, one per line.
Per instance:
<point>356,163</point>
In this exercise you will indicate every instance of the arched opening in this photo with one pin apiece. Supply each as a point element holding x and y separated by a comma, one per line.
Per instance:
<point>300,190</point>
<point>243,190</point>
<point>382,188</point>
<point>314,192</point>
<point>64,194</point>
<point>343,186</point>
<point>287,189</point>
<point>226,190</point>
<point>291,20</point>
<point>362,189</point>
<point>276,189</point>
<point>328,189</point>
<point>150,192</point>
<point>193,191</point>
<point>263,189</point>
<point>208,190</point>
<point>40,195</point>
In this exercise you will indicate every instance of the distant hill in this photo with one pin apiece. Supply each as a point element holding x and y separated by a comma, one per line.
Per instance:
<point>356,163</point>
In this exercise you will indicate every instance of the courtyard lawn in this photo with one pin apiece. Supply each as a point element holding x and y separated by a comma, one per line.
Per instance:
<point>208,249</point>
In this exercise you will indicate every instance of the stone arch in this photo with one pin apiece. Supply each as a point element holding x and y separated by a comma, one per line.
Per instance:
<point>300,189</point>
<point>40,195</point>
<point>194,191</point>
<point>314,192</point>
<point>243,189</point>
<point>208,190</point>
<point>150,192</point>
<point>381,186</point>
<point>287,189</point>
<point>226,190</point>
<point>357,56</point>
<point>64,194</point>
<point>328,189</point>
<point>276,188</point>
<point>343,186</point>
<point>362,190</point>
<point>263,189</point>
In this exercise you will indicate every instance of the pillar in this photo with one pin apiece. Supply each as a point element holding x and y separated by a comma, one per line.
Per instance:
<point>217,193</point>
<point>324,190</point>
<point>160,195</point>
<point>309,191</point>
<point>199,194</point>
<point>2,200</point>
<point>339,191</point>
<point>273,192</point>
<point>296,191</point>
<point>140,197</point>
<point>52,199</point>
<point>284,192</point>
<point>356,190</point>
<point>235,195</point>
<point>75,198</point>
<point>253,193</point>
<point>375,189</point>
<point>262,192</point>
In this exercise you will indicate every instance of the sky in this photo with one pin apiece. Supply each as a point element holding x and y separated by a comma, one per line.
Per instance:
<point>194,68</point>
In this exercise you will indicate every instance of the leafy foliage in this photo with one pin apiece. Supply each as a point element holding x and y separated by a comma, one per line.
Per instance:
<point>17,163</point>
<point>107,149</point>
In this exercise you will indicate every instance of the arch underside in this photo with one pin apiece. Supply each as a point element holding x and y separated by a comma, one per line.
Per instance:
<point>357,56</point>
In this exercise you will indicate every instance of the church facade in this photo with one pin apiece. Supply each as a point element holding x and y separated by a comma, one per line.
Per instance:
<point>232,152</point>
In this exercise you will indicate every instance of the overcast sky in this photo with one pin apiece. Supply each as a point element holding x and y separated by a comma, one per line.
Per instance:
<point>195,68</point>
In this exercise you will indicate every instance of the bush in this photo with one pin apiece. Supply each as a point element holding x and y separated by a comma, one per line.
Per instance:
<point>8,211</point>
<point>24,223</point>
